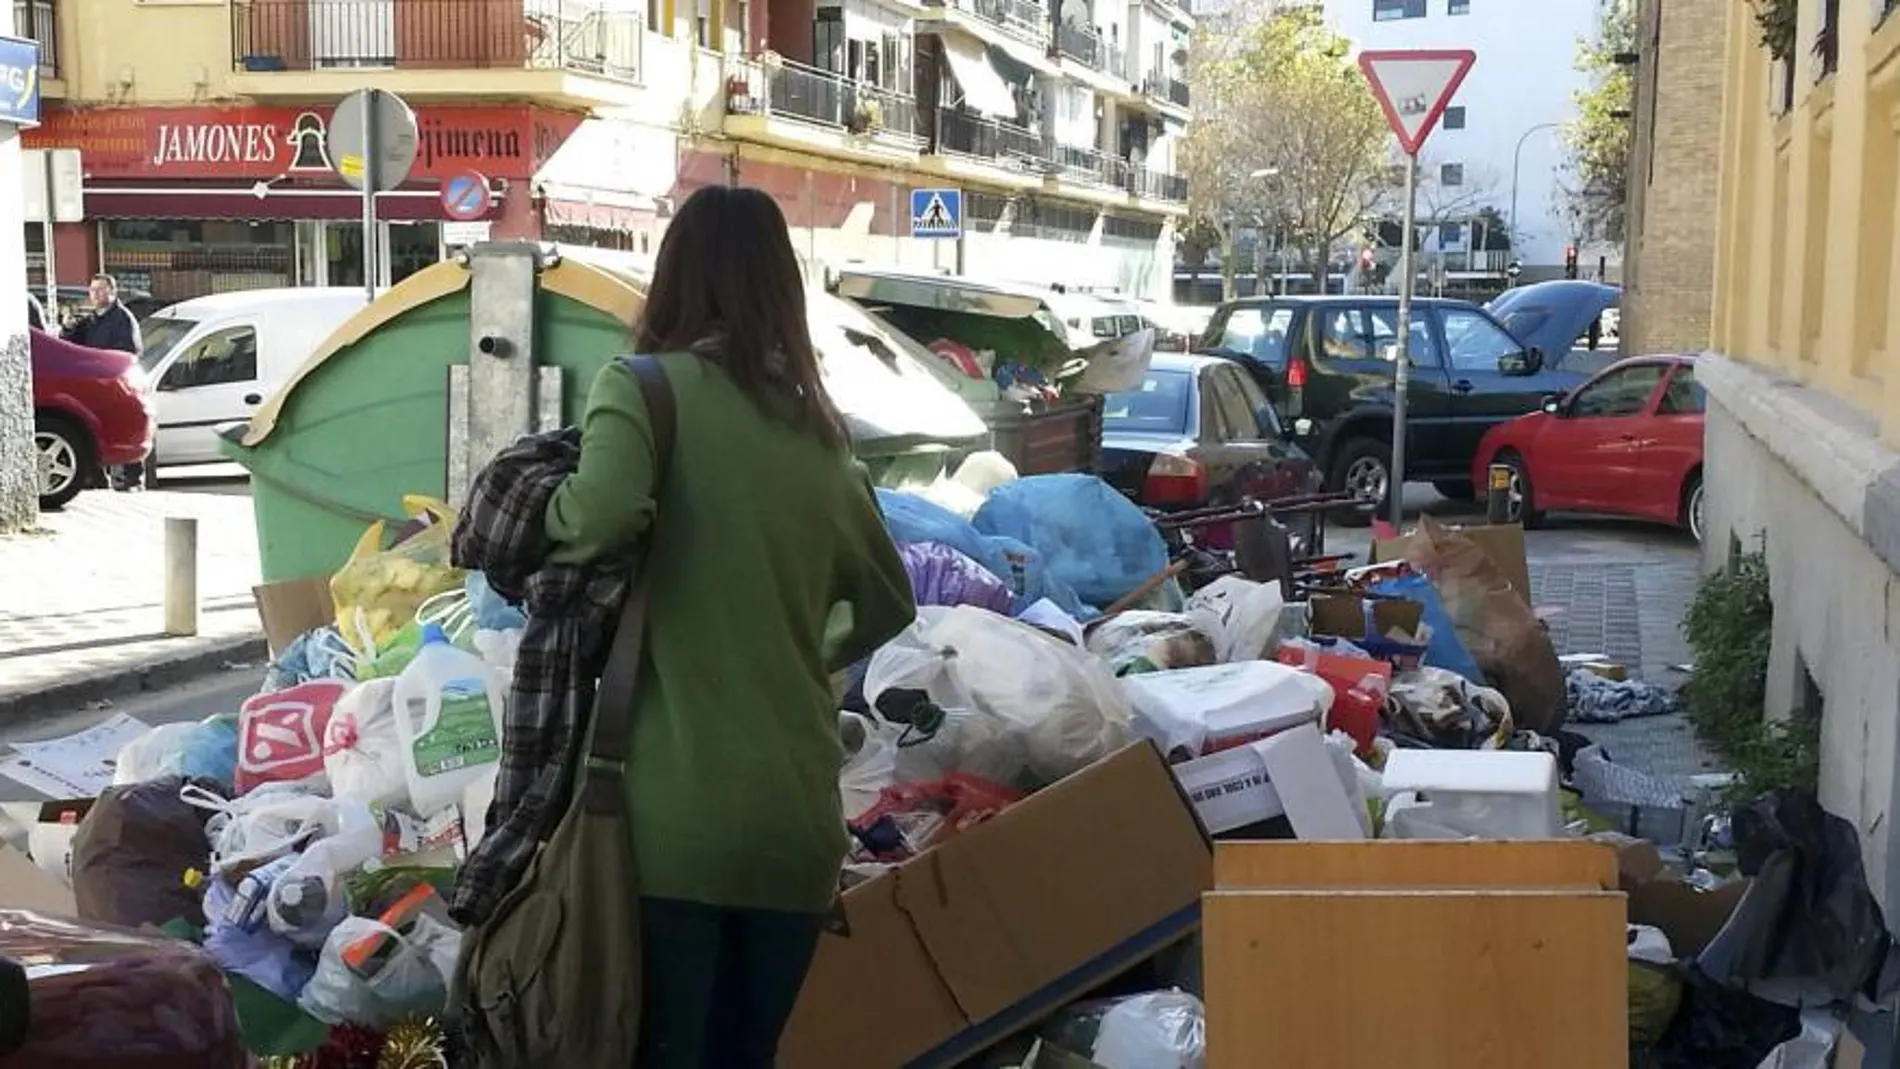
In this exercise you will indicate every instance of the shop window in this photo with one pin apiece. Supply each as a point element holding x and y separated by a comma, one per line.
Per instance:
<point>229,356</point>
<point>178,259</point>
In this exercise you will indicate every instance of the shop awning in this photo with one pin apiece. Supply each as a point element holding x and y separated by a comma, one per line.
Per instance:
<point>229,202</point>
<point>984,90</point>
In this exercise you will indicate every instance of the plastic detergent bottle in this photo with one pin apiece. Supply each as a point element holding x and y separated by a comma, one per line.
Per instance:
<point>448,717</point>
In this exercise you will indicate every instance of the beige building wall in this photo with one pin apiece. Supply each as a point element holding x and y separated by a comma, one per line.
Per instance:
<point>1669,258</point>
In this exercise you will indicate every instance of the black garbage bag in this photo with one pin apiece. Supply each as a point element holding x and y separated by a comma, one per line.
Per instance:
<point>1808,931</point>
<point>132,850</point>
<point>1720,1028</point>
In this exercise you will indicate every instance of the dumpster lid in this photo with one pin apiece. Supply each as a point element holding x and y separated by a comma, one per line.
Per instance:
<point>945,293</point>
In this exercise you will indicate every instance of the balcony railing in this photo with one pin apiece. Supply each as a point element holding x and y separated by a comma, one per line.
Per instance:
<point>39,20</point>
<point>964,134</point>
<point>1163,87</point>
<point>1023,19</point>
<point>788,89</point>
<point>1081,45</point>
<point>588,36</point>
<point>1090,167</point>
<point>1159,185</point>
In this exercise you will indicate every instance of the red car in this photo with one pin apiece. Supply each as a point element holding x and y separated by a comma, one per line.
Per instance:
<point>92,411</point>
<point>1628,442</point>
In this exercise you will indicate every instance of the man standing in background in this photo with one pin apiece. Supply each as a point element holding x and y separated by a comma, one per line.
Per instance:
<point>110,325</point>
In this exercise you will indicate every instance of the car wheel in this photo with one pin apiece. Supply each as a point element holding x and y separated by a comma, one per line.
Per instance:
<point>1363,469</point>
<point>1692,507</point>
<point>66,460</point>
<point>1520,497</point>
<point>1456,489</point>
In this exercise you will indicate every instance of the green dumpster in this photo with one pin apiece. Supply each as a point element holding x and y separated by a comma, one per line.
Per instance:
<point>367,419</point>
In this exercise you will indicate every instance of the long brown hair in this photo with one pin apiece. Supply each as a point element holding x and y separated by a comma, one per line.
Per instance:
<point>727,284</point>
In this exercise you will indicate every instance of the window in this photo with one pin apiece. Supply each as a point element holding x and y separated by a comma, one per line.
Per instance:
<point>1386,10</point>
<point>1261,406</point>
<point>1451,235</point>
<point>1620,393</point>
<point>1685,395</point>
<point>225,357</point>
<point>1343,335</point>
<point>1451,174</point>
<point>1455,117</point>
<point>1476,343</point>
<point>1255,332</point>
<point>1458,7</point>
<point>1237,420</point>
<point>1385,337</point>
<point>1159,406</point>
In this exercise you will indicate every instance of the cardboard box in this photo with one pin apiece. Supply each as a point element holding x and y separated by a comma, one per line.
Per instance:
<point>1002,926</point>
<point>1504,544</point>
<point>293,606</point>
<point>24,885</point>
<point>1689,916</point>
<point>1290,773</point>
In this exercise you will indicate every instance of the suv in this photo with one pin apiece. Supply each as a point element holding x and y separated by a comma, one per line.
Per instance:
<point>1326,362</point>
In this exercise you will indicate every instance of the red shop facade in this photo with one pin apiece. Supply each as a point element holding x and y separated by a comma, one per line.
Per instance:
<point>185,201</point>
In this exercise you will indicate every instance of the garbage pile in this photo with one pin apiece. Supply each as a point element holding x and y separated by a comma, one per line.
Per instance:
<point>1062,717</point>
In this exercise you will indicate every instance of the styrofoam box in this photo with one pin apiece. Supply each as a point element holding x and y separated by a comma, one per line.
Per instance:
<point>1498,794</point>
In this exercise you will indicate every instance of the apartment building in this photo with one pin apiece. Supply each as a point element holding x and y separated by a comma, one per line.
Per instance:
<point>203,128</point>
<point>1500,145</point>
<point>1669,228</point>
<point>1803,380</point>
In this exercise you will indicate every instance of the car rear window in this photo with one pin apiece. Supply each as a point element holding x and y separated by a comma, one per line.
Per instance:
<point>1158,406</point>
<point>1253,332</point>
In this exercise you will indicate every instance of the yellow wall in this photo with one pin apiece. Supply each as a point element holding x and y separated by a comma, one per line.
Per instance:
<point>1806,254</point>
<point>177,51</point>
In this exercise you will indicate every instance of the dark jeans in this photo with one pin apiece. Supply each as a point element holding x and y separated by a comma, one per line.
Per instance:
<point>719,984</point>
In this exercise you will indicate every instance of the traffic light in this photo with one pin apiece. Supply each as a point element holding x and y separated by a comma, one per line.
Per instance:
<point>1570,261</point>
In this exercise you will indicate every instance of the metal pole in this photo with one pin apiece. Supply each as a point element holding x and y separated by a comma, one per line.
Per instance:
<point>1402,362</point>
<point>46,236</point>
<point>181,576</point>
<point>370,149</point>
<point>1517,163</point>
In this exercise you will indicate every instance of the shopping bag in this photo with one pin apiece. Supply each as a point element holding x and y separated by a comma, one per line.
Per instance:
<point>379,590</point>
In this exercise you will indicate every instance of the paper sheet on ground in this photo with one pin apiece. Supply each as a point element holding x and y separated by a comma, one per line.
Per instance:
<point>72,766</point>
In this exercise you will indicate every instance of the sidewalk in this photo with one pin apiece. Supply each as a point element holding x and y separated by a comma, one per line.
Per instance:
<point>82,617</point>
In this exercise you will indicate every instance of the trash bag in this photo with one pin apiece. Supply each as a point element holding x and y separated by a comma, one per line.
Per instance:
<point>1720,1028</point>
<point>307,900</point>
<point>260,826</point>
<point>1808,931</point>
<point>260,955</point>
<point>206,750</point>
<point>280,734</point>
<point>1242,615</point>
<point>317,654</point>
<point>1133,642</point>
<point>945,575</point>
<point>379,590</point>
<point>1504,636</point>
<point>373,975</point>
<point>362,749</point>
<point>913,519</point>
<point>871,762</point>
<point>1157,1030</point>
<point>491,611</point>
<point>1094,540</point>
<point>132,851</point>
<point>1061,700</point>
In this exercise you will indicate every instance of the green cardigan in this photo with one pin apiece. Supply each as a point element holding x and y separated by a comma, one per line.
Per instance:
<point>771,569</point>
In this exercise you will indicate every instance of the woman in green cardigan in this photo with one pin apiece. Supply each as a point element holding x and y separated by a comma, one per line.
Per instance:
<point>771,570</point>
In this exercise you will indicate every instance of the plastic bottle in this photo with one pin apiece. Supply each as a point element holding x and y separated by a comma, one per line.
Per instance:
<point>448,715</point>
<point>247,907</point>
<point>307,901</point>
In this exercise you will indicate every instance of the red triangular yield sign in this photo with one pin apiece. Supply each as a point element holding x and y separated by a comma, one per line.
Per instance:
<point>1414,87</point>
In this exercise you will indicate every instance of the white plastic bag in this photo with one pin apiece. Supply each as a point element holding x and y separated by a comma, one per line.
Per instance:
<point>263,825</point>
<point>1062,700</point>
<point>872,766</point>
<point>499,650</point>
<point>1193,710</point>
<point>1242,615</point>
<point>398,981</point>
<point>1139,641</point>
<point>307,901</point>
<point>1156,1030</point>
<point>1356,777</point>
<point>362,750</point>
<point>157,753</point>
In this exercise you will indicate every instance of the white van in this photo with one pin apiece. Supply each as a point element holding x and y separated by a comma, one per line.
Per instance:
<point>215,359</point>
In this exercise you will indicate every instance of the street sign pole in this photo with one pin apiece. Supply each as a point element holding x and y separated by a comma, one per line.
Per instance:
<point>1402,361</point>
<point>371,146</point>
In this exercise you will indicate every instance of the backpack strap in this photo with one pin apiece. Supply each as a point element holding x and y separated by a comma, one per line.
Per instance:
<point>613,701</point>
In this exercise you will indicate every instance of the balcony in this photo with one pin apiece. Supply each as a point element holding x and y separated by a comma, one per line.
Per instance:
<point>1086,166</point>
<point>962,134</point>
<point>1024,20</point>
<point>1081,45</point>
<point>786,89</point>
<point>39,21</point>
<point>1164,90</point>
<point>588,37</point>
<point>1158,185</point>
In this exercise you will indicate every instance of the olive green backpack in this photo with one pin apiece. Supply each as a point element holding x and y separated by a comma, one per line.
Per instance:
<point>552,978</point>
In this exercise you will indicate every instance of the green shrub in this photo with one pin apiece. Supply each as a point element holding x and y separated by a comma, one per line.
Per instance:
<point>1728,625</point>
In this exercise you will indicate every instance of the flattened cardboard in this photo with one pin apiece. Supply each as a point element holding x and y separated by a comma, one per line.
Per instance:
<point>293,606</point>
<point>1503,543</point>
<point>1003,925</point>
<point>24,885</point>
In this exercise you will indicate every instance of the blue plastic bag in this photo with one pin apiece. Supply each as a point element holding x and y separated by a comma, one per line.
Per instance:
<point>316,654</point>
<point>1095,541</point>
<point>492,611</point>
<point>911,519</point>
<point>263,957</point>
<point>209,751</point>
<point>1446,650</point>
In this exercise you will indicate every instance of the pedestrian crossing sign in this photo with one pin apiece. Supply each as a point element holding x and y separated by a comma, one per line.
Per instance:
<point>936,213</point>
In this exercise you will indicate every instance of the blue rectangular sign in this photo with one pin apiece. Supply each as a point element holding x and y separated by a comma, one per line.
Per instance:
<point>19,81</point>
<point>936,213</point>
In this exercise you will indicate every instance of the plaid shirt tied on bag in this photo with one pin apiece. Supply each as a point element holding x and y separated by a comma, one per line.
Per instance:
<point>571,615</point>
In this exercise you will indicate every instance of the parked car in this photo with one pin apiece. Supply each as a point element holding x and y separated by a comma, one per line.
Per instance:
<point>1327,364</point>
<point>1628,443</point>
<point>1197,432</point>
<point>1571,321</point>
<point>1177,327</point>
<point>216,358</point>
<point>92,410</point>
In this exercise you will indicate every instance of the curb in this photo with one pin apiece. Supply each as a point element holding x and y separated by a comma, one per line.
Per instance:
<point>208,657</point>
